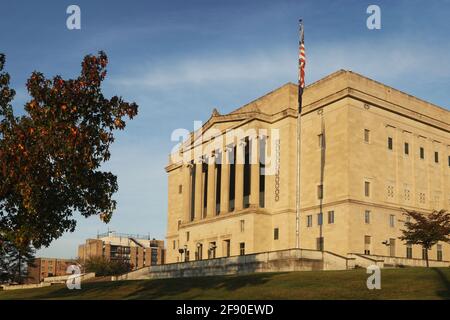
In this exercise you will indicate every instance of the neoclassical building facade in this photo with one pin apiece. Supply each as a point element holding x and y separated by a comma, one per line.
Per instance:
<point>368,151</point>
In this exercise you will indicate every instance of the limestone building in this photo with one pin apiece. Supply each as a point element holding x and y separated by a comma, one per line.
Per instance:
<point>367,151</point>
<point>138,251</point>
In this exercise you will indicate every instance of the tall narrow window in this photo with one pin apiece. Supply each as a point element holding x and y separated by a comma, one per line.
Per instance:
<point>409,251</point>
<point>367,244</point>
<point>367,188</point>
<point>367,216</point>
<point>192,176</point>
<point>406,148</point>
<point>439,252</point>
<point>218,169</point>
<point>320,191</point>
<point>276,234</point>
<point>366,135</point>
<point>232,187</point>
<point>205,186</point>
<point>247,172</point>
<point>392,220</point>
<point>330,217</point>
<point>262,173</point>
<point>319,219</point>
<point>309,221</point>
<point>242,224</point>
<point>242,248</point>
<point>436,157</point>
<point>390,143</point>
<point>422,153</point>
<point>319,244</point>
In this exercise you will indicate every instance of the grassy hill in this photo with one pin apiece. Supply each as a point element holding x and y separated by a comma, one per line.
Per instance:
<point>407,283</point>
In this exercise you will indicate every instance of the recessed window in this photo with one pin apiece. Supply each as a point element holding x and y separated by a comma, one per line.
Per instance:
<point>366,135</point>
<point>330,217</point>
<point>406,148</point>
<point>367,216</point>
<point>439,252</point>
<point>391,220</point>
<point>449,161</point>
<point>319,219</point>
<point>390,143</point>
<point>367,188</point>
<point>180,188</point>
<point>436,157</point>
<point>242,248</point>
<point>187,236</point>
<point>309,221</point>
<point>242,224</point>
<point>275,234</point>
<point>320,191</point>
<point>409,251</point>
<point>319,243</point>
<point>422,153</point>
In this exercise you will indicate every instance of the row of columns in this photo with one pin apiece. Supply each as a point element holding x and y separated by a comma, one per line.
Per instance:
<point>225,182</point>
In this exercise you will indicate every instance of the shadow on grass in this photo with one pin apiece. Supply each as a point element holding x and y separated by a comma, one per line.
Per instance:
<point>445,294</point>
<point>193,288</point>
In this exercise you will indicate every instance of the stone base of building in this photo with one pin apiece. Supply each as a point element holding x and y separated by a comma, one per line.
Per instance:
<point>274,261</point>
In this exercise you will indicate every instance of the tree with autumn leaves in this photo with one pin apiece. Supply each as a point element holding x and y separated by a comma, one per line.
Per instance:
<point>425,229</point>
<point>50,156</point>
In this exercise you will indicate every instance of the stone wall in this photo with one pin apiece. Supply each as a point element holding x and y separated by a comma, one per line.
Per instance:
<point>275,261</point>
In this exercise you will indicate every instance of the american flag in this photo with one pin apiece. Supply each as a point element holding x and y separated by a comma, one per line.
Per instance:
<point>301,66</point>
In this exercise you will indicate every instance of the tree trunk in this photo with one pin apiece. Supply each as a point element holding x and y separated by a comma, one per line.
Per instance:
<point>426,256</point>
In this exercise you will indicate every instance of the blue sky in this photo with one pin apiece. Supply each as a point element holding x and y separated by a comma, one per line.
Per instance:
<point>180,59</point>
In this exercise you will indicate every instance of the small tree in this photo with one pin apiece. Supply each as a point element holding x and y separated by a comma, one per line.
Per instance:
<point>426,229</point>
<point>104,267</point>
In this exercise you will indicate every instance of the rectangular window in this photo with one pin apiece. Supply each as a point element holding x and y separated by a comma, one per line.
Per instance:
<point>187,236</point>
<point>366,135</point>
<point>367,216</point>
<point>319,219</point>
<point>367,239</point>
<point>406,148</point>
<point>367,188</point>
<point>439,252</point>
<point>319,244</point>
<point>422,153</point>
<point>227,246</point>
<point>242,223</point>
<point>449,161</point>
<point>275,234</point>
<point>424,253</point>
<point>390,143</point>
<point>180,189</point>
<point>242,248</point>
<point>309,221</point>
<point>436,157</point>
<point>174,244</point>
<point>409,251</point>
<point>392,220</point>
<point>330,217</point>
<point>320,191</point>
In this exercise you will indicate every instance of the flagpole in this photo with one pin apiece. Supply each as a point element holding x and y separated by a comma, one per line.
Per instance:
<point>299,142</point>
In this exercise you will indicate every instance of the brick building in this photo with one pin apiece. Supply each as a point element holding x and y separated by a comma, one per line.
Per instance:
<point>138,251</point>
<point>47,267</point>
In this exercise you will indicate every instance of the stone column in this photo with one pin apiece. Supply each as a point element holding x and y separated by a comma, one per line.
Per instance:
<point>211,205</point>
<point>239,197</point>
<point>186,190</point>
<point>225,183</point>
<point>254,173</point>
<point>198,190</point>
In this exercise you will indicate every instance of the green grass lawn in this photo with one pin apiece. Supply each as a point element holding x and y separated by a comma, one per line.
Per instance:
<point>407,283</point>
